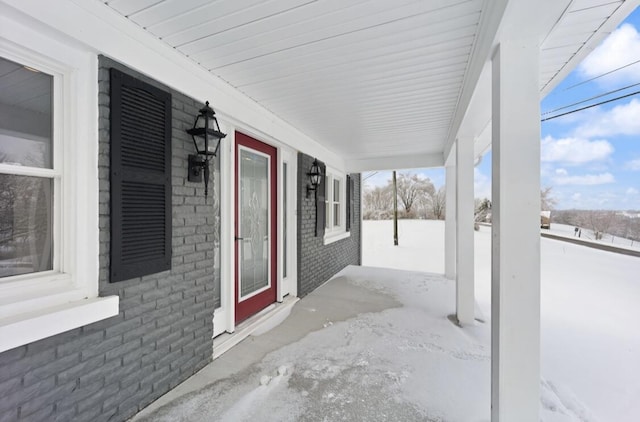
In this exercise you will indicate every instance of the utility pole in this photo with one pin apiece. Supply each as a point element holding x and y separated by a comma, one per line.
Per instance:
<point>395,210</point>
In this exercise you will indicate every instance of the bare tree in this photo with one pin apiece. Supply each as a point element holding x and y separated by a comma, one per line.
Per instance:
<point>377,202</point>
<point>481,212</point>
<point>437,203</point>
<point>411,187</point>
<point>547,201</point>
<point>599,222</point>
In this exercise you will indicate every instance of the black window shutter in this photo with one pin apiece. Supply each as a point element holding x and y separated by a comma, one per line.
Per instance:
<point>140,178</point>
<point>349,205</point>
<point>321,212</point>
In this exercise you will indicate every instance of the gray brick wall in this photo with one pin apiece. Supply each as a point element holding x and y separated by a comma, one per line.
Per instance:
<point>111,369</point>
<point>317,262</point>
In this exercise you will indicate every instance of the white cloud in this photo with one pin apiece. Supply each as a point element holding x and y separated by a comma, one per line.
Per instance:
<point>618,49</point>
<point>561,172</point>
<point>574,150</point>
<point>587,179</point>
<point>632,191</point>
<point>481,184</point>
<point>623,119</point>
<point>576,196</point>
<point>633,165</point>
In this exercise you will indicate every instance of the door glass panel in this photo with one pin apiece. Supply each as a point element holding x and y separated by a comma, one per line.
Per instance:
<point>254,219</point>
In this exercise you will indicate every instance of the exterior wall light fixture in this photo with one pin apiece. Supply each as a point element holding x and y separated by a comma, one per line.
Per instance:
<point>315,175</point>
<point>205,133</point>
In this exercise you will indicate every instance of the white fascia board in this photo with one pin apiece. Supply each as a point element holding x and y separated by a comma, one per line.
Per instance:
<point>104,31</point>
<point>398,162</point>
<point>601,33</point>
<point>482,143</point>
<point>488,29</point>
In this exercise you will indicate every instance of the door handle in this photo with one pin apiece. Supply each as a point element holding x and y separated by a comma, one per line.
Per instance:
<point>239,238</point>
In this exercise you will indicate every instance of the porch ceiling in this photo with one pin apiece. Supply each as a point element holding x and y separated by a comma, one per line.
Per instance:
<point>368,79</point>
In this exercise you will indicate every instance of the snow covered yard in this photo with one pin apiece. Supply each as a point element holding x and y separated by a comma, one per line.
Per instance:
<point>590,340</point>
<point>378,344</point>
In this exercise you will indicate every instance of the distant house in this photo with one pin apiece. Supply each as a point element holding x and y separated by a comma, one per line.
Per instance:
<point>118,266</point>
<point>545,219</point>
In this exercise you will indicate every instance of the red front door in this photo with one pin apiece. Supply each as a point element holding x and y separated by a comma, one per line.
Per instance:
<point>255,226</point>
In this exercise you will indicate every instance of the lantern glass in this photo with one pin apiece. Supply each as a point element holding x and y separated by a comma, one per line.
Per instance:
<point>315,177</point>
<point>314,174</point>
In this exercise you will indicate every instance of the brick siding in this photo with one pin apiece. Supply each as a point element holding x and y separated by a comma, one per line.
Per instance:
<point>113,368</point>
<point>317,262</point>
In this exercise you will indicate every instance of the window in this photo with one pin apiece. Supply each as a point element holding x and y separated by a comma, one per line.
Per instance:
<point>335,199</point>
<point>48,189</point>
<point>29,175</point>
<point>336,203</point>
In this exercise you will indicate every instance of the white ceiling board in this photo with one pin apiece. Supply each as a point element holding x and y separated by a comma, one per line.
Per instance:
<point>356,59</point>
<point>164,11</point>
<point>587,4</point>
<point>328,43</point>
<point>128,7</point>
<point>578,32</point>
<point>408,80</point>
<point>602,9</point>
<point>368,78</point>
<point>572,38</point>
<point>215,19</point>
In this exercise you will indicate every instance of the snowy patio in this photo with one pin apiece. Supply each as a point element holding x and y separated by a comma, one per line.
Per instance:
<point>378,344</point>
<point>371,344</point>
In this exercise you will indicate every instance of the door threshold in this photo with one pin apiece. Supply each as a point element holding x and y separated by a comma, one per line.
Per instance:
<point>225,341</point>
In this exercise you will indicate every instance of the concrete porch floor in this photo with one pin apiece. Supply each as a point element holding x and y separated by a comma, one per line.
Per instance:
<point>372,344</point>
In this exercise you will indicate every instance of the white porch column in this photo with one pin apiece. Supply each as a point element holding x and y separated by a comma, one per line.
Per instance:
<point>515,291</point>
<point>450,221</point>
<point>465,297</point>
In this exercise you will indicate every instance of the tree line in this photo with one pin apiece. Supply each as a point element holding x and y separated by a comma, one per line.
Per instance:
<point>600,222</point>
<point>417,198</point>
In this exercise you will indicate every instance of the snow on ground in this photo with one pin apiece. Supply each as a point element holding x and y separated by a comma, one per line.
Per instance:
<point>378,344</point>
<point>589,310</point>
<point>406,361</point>
<point>587,235</point>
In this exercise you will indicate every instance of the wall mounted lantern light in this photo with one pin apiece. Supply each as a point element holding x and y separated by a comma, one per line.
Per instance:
<point>205,133</point>
<point>315,174</point>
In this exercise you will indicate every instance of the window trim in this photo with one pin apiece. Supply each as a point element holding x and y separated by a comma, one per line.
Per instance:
<point>38,305</point>
<point>333,233</point>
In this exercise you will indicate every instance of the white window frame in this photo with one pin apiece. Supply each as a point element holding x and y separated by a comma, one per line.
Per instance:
<point>39,305</point>
<point>333,233</point>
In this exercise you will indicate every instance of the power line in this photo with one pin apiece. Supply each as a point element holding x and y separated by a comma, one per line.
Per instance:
<point>600,76</point>
<point>589,106</point>
<point>370,175</point>
<point>592,98</point>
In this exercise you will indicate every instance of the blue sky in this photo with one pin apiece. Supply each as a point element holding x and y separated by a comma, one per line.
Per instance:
<point>590,158</point>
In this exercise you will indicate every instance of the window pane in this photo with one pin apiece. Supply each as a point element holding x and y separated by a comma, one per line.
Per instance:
<point>327,221</point>
<point>25,116</point>
<point>327,203</point>
<point>336,214</point>
<point>336,191</point>
<point>25,225</point>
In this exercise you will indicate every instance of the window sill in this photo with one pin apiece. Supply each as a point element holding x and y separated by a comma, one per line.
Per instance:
<point>37,325</point>
<point>334,237</point>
